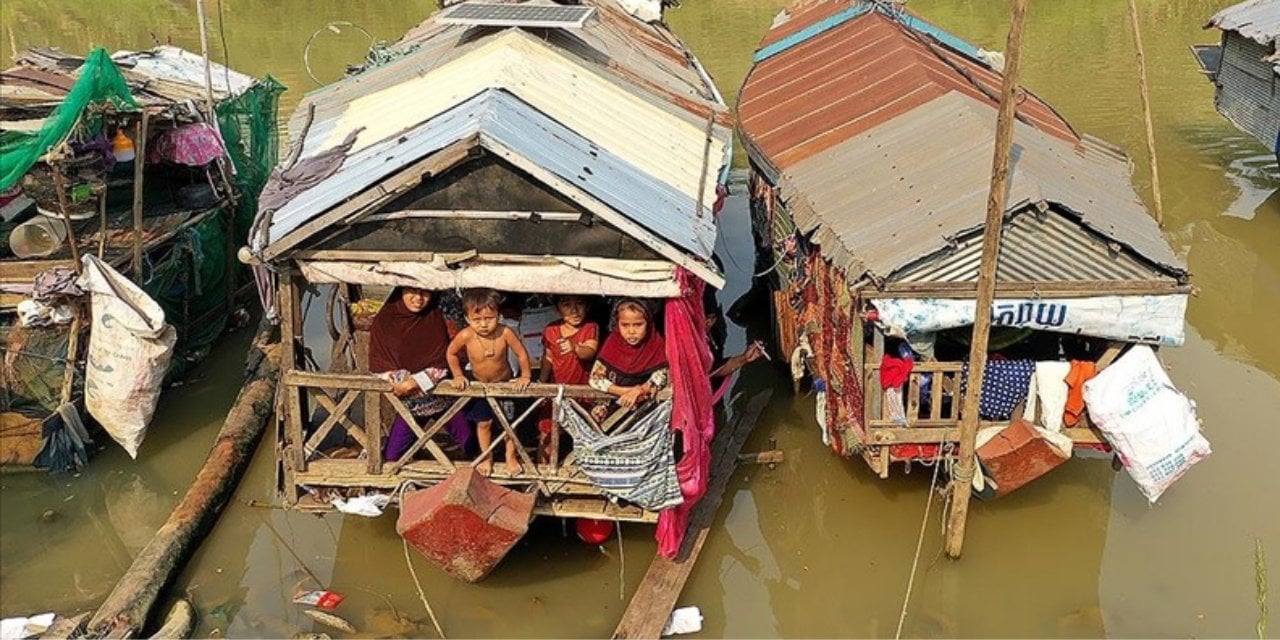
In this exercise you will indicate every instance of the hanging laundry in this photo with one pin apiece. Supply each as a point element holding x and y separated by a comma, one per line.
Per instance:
<point>194,145</point>
<point>1049,387</point>
<point>895,370</point>
<point>1004,385</point>
<point>1081,372</point>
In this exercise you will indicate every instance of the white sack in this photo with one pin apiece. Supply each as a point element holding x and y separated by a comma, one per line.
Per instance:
<point>1142,415</point>
<point>129,350</point>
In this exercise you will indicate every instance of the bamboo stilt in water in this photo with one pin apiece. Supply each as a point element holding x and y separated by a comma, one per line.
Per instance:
<point>127,608</point>
<point>139,161</point>
<point>960,481</point>
<point>1146,114</point>
<point>60,185</point>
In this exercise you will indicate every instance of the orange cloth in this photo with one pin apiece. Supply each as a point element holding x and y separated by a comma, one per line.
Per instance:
<point>1081,372</point>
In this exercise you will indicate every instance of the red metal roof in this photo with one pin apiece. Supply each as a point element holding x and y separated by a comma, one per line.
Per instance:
<point>843,81</point>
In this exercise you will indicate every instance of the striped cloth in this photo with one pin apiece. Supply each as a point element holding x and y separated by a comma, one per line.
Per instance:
<point>637,465</point>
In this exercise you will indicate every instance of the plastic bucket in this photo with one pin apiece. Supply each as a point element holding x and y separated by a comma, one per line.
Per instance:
<point>38,237</point>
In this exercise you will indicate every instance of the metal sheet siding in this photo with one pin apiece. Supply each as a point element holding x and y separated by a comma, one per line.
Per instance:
<point>825,88</point>
<point>901,190</point>
<point>503,119</point>
<point>1247,92</point>
<point>660,143</point>
<point>1033,248</point>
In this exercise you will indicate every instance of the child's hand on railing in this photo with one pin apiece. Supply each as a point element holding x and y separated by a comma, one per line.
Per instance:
<point>459,383</point>
<point>521,383</point>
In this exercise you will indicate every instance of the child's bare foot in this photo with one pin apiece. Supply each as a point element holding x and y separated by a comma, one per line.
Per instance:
<point>485,468</point>
<point>513,466</point>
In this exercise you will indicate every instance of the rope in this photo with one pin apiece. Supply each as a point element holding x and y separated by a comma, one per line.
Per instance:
<point>419,585</point>
<point>906,599</point>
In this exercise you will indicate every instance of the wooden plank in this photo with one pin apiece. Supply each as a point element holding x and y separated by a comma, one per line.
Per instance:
<point>935,397</point>
<point>383,256</point>
<point>472,214</point>
<point>337,413</point>
<point>24,271</point>
<point>511,433</point>
<point>1112,352</point>
<point>1072,289</point>
<point>370,382</point>
<point>875,392</point>
<point>373,422</point>
<point>762,457</point>
<point>653,601</point>
<point>913,398</point>
<point>287,303</point>
<point>424,437</point>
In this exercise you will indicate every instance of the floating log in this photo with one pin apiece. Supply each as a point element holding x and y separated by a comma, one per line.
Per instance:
<point>762,457</point>
<point>656,596</point>
<point>178,623</point>
<point>466,524</point>
<point>126,609</point>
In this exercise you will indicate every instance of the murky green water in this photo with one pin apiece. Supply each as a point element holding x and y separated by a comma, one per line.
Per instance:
<point>817,547</point>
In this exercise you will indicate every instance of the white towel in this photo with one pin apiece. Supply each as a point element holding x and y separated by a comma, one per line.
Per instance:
<point>1049,385</point>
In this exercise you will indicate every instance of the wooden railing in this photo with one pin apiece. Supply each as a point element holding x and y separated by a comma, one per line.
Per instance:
<point>338,394</point>
<point>938,418</point>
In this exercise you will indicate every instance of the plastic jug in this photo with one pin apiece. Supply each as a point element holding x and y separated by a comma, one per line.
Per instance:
<point>37,237</point>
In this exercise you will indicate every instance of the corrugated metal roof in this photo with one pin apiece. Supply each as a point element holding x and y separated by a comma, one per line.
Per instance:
<point>1034,247</point>
<point>901,190</point>
<point>506,123</point>
<point>831,84</point>
<point>1258,20</point>
<point>161,76</point>
<point>644,129</point>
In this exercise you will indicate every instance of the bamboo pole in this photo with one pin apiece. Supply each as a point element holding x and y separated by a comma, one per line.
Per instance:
<point>139,163</point>
<point>1146,114</point>
<point>960,481</point>
<point>208,70</point>
<point>60,186</point>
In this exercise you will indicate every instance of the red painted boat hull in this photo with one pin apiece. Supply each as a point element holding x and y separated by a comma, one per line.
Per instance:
<point>466,524</point>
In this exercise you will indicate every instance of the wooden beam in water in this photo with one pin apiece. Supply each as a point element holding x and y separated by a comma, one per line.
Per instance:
<point>653,601</point>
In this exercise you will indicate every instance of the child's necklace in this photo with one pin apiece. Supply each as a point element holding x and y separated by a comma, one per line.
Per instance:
<point>488,349</point>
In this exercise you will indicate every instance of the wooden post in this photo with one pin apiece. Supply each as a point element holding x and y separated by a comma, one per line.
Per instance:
<point>960,481</point>
<point>60,186</point>
<point>1146,114</point>
<point>208,70</point>
<point>139,161</point>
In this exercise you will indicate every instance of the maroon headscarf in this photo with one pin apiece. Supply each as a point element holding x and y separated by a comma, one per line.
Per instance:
<point>631,365</point>
<point>401,339</point>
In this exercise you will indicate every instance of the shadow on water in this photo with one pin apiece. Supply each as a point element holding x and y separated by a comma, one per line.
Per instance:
<point>817,547</point>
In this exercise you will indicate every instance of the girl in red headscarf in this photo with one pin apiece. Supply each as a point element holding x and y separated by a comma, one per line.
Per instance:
<point>632,364</point>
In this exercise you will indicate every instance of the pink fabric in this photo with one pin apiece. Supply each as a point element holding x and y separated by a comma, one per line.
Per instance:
<point>689,359</point>
<point>194,145</point>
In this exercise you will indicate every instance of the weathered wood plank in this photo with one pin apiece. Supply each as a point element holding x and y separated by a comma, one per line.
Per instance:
<point>656,597</point>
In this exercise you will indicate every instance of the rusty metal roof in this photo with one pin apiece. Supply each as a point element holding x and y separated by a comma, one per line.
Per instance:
<point>879,128</point>
<point>1258,20</point>
<point>911,187</point>
<point>163,76</point>
<point>833,69</point>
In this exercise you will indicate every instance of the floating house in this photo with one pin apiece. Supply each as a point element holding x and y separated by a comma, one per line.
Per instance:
<point>870,135</point>
<point>1245,68</point>
<point>115,156</point>
<point>532,148</point>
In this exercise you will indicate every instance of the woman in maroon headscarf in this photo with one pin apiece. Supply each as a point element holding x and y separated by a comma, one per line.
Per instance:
<point>632,364</point>
<point>407,344</point>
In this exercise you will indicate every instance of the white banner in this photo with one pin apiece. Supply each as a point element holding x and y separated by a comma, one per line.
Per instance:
<point>1153,319</point>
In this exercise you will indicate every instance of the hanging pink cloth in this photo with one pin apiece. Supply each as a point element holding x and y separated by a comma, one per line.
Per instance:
<point>194,145</point>
<point>689,359</point>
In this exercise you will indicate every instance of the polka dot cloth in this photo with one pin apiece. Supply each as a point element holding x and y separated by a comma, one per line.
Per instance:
<point>1004,385</point>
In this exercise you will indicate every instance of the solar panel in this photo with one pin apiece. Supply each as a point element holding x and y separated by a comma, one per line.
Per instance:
<point>517,15</point>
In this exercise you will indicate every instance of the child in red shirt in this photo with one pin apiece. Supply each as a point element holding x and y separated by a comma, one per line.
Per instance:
<point>568,348</point>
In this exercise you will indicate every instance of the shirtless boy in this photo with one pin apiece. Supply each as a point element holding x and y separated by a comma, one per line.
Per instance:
<point>486,340</point>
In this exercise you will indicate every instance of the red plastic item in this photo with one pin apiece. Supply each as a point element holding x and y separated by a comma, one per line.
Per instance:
<point>593,532</point>
<point>1018,455</point>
